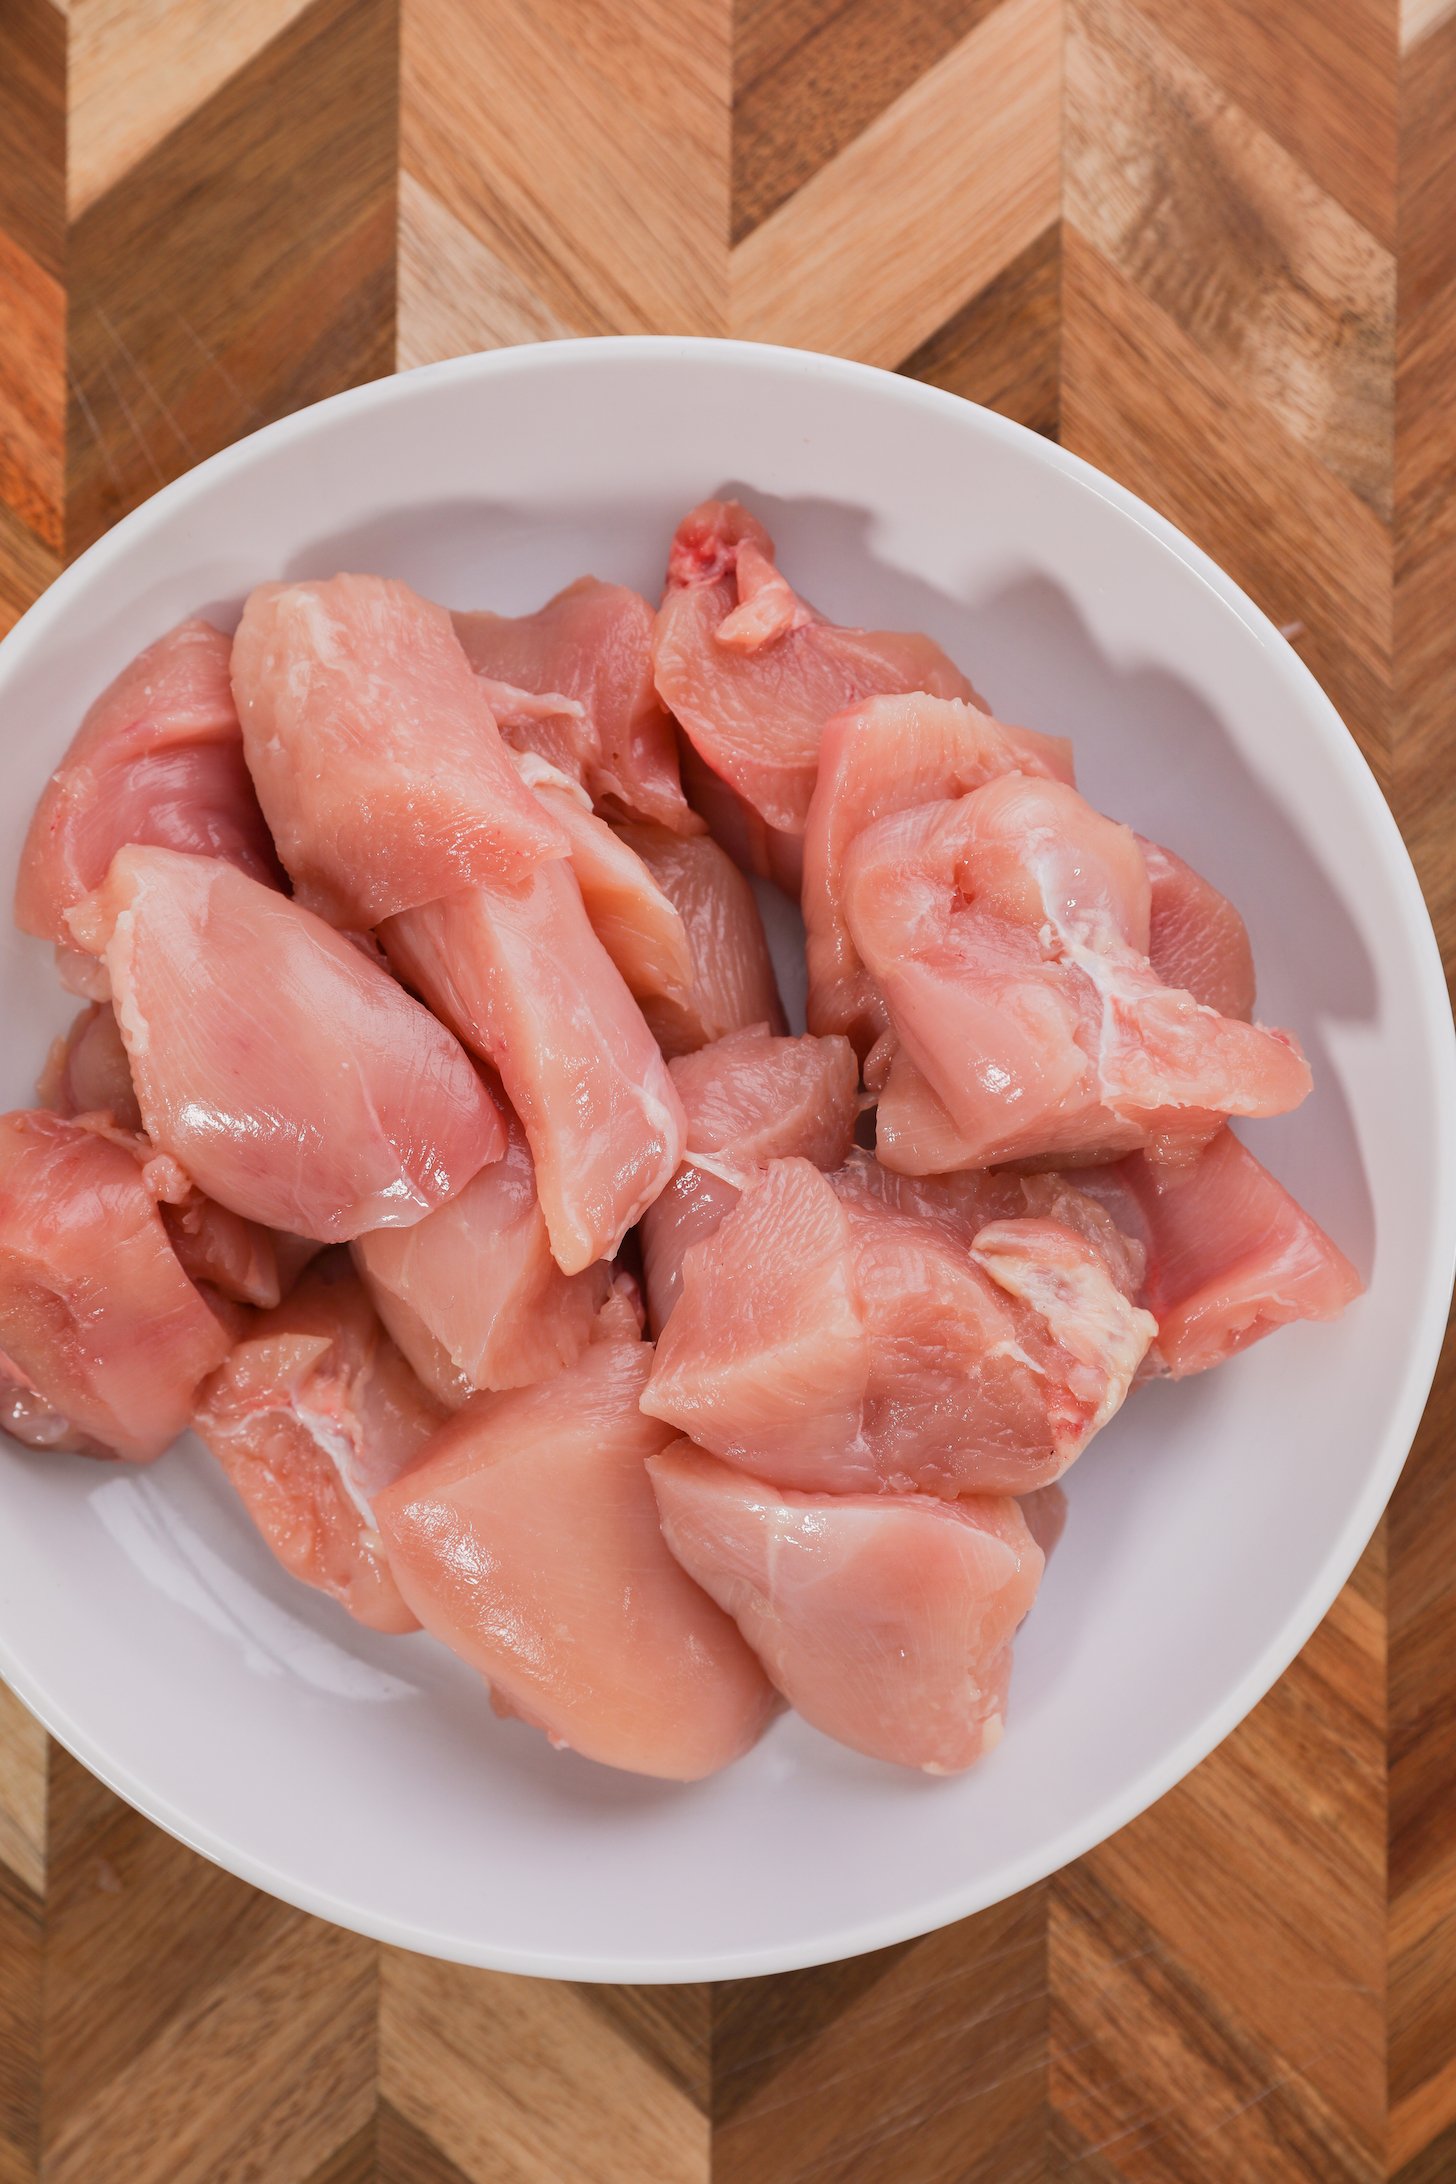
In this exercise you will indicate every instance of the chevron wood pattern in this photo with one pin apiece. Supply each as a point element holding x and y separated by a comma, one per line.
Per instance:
<point>1211,244</point>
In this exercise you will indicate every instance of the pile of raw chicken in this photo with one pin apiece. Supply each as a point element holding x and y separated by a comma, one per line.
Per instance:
<point>432,1142</point>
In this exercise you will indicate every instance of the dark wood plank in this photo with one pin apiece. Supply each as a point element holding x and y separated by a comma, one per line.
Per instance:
<point>276,284</point>
<point>1004,348</point>
<point>33,130</point>
<point>926,2062</point>
<point>809,76</point>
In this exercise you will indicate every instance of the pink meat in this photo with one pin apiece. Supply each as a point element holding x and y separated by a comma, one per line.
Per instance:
<point>1008,932</point>
<point>159,759</point>
<point>33,1420</point>
<point>523,979</point>
<point>312,1416</point>
<point>730,979</point>
<point>884,756</point>
<point>837,1345</point>
<point>592,644</point>
<point>771,853</point>
<point>1197,940</point>
<point>1230,1254</point>
<point>528,1542</point>
<point>96,1314</point>
<point>749,1098</point>
<point>752,672</point>
<point>376,758</point>
<point>87,1071</point>
<point>886,1620</point>
<point>472,1294</point>
<point>633,917</point>
<point>290,1076</point>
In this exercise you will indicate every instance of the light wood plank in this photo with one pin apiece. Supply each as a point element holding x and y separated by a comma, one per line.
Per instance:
<point>522,2081</point>
<point>139,67</point>
<point>1215,223</point>
<point>455,294</point>
<point>590,157</point>
<point>940,193</point>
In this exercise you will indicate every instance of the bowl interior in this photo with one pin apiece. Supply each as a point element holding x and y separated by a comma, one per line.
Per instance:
<point>1211,1523</point>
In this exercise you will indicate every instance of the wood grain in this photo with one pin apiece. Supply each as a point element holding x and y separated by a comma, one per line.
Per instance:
<point>1217,256</point>
<point>1004,347</point>
<point>809,76</point>
<point>940,193</point>
<point>276,285</point>
<point>137,71</point>
<point>593,163</point>
<point>1219,227</point>
<point>1422,1841</point>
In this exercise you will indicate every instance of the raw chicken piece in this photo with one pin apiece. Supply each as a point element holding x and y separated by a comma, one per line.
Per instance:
<point>216,1246</point>
<point>1008,932</point>
<point>633,917</point>
<point>87,1072</point>
<point>837,1345</point>
<point>886,1620</point>
<point>884,756</point>
<point>770,853</point>
<point>528,1542</point>
<point>312,1416</point>
<point>730,982</point>
<point>472,1294</point>
<point>96,1315</point>
<point>158,758</point>
<point>964,1203</point>
<point>1197,940</point>
<point>749,1099</point>
<point>547,726</point>
<point>289,1075</point>
<point>592,644</point>
<point>28,1417</point>
<point>1230,1255</point>
<point>753,673</point>
<point>523,979</point>
<point>377,761</point>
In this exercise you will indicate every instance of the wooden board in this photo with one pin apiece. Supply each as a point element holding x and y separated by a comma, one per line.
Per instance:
<point>1212,245</point>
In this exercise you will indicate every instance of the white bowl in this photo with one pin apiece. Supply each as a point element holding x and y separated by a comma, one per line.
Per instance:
<point>1212,1524</point>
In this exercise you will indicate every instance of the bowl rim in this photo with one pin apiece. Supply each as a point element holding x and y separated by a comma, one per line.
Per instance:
<point>34,629</point>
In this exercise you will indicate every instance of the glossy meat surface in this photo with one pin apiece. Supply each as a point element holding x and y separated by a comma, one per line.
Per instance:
<point>96,1314</point>
<point>1196,938</point>
<point>377,761</point>
<point>158,759</point>
<point>87,1071</point>
<point>472,1294</point>
<point>835,1344</point>
<point>730,981</point>
<point>1231,1255</point>
<point>528,1542</point>
<point>884,756</point>
<point>291,1077</point>
<point>886,1620</point>
<point>1008,932</point>
<point>522,978</point>
<point>748,1099</point>
<point>313,1414</point>
<point>592,644</point>
<point>752,672</point>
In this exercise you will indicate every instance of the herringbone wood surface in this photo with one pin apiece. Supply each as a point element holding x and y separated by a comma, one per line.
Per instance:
<point>1211,244</point>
